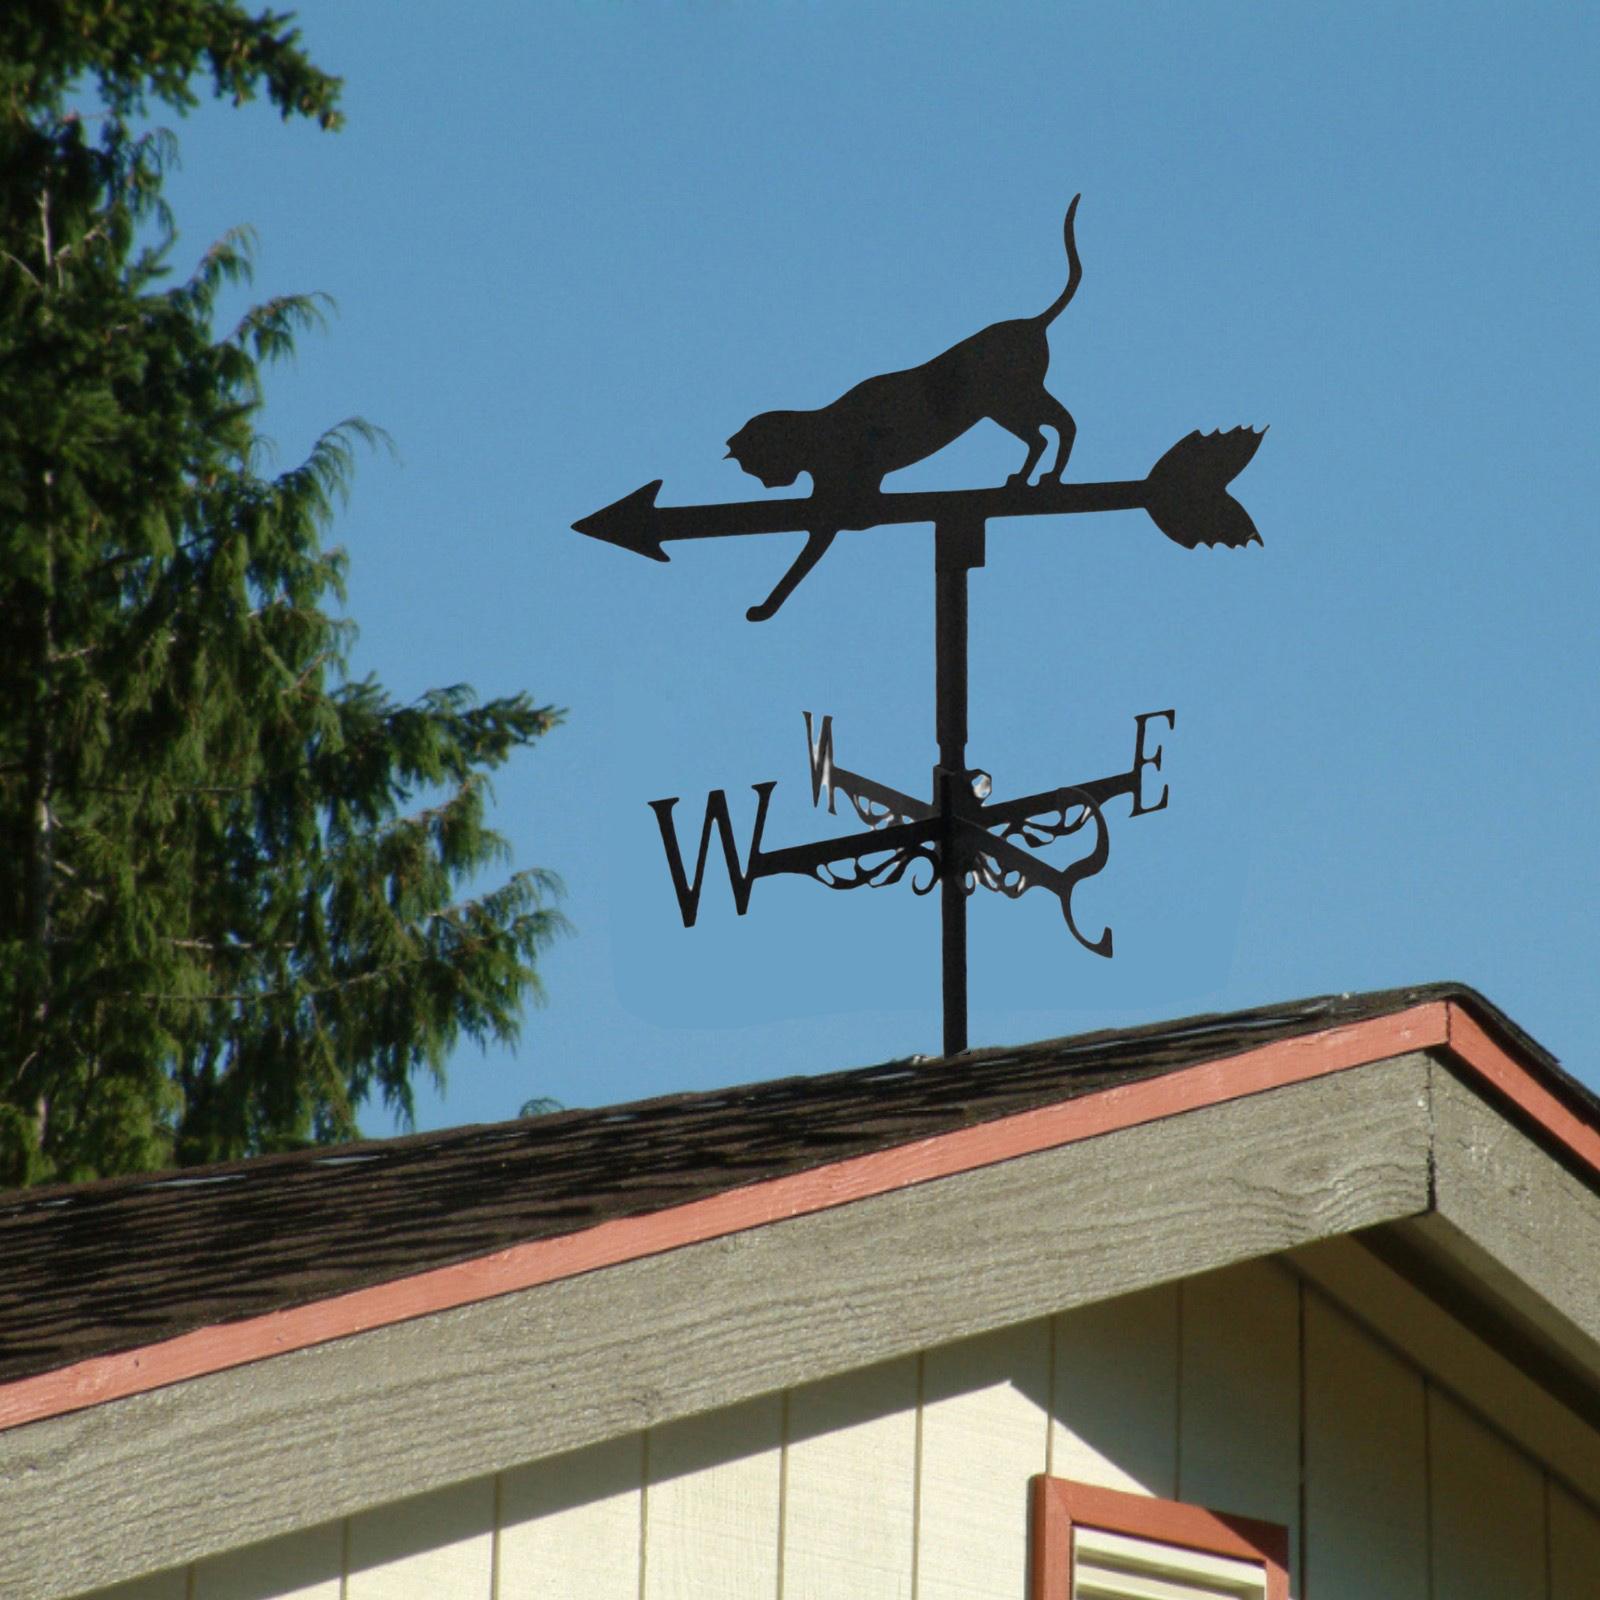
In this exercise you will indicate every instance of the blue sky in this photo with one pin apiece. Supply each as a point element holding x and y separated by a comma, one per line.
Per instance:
<point>574,247</point>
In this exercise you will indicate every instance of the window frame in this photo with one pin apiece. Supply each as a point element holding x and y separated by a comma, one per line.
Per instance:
<point>1060,1504</point>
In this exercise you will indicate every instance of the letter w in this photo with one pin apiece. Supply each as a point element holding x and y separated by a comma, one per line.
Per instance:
<point>740,876</point>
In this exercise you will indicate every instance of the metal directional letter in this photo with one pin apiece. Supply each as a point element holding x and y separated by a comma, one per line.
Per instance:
<point>963,839</point>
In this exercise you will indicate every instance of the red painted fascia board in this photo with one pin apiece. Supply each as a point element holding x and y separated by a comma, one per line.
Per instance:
<point>1477,1049</point>
<point>1433,1024</point>
<point>1060,1505</point>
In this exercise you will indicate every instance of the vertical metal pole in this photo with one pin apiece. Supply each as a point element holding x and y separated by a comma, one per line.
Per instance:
<point>958,546</point>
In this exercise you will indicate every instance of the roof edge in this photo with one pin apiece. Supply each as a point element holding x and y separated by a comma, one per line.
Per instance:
<point>100,1379</point>
<point>1549,1106</point>
<point>1310,1014</point>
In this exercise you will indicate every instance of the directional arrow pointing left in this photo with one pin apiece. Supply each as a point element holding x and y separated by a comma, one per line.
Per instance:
<point>1186,494</point>
<point>629,523</point>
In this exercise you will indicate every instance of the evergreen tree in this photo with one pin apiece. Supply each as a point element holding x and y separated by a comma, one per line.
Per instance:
<point>228,872</point>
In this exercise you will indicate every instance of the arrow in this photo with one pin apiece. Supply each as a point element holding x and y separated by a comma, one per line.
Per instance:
<point>1186,495</point>
<point>632,522</point>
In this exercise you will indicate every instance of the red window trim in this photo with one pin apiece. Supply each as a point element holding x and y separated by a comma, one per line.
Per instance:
<point>1059,1505</point>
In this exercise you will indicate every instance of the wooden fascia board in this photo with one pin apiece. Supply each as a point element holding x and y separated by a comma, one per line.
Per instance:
<point>246,1453</point>
<point>1520,1229</point>
<point>1435,1024</point>
<point>214,1349</point>
<point>1490,1066</point>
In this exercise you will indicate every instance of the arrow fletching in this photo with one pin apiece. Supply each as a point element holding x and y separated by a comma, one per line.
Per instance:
<point>629,523</point>
<point>1187,490</point>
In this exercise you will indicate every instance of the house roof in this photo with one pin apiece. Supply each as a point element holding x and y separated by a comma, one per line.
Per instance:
<point>306,1337</point>
<point>96,1268</point>
<point>124,1263</point>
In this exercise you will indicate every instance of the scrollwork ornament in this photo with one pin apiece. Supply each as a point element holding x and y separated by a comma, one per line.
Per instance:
<point>871,812</point>
<point>1047,827</point>
<point>864,873</point>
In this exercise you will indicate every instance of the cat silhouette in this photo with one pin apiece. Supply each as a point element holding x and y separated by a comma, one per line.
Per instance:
<point>898,418</point>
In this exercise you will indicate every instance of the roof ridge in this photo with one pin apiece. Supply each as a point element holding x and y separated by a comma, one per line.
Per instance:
<point>1277,1020</point>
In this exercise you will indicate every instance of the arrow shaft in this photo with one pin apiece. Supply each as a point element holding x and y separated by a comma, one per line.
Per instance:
<point>800,514</point>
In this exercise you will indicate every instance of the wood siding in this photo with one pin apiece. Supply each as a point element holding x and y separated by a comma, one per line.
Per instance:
<point>1252,1390</point>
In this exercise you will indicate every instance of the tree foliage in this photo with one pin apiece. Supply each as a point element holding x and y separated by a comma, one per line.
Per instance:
<point>230,875</point>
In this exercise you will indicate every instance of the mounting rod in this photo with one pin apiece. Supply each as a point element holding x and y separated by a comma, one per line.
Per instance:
<point>958,546</point>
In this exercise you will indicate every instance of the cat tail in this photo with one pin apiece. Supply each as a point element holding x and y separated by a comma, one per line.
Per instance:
<point>1074,269</point>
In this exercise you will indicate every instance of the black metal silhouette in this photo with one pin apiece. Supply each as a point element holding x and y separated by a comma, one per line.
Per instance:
<point>1185,493</point>
<point>903,830</point>
<point>963,839</point>
<point>900,418</point>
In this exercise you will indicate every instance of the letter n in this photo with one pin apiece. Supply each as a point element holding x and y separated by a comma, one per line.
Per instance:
<point>740,875</point>
<point>821,748</point>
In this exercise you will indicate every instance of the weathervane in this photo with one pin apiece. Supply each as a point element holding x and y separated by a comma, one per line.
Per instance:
<point>960,837</point>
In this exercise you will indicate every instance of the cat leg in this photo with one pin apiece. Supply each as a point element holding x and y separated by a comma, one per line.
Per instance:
<point>1025,428</point>
<point>1056,415</point>
<point>816,547</point>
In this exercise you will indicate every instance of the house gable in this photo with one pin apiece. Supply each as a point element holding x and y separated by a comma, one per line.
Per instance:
<point>1142,1181</point>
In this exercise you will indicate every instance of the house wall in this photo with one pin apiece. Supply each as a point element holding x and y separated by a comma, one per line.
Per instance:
<point>1250,1390</point>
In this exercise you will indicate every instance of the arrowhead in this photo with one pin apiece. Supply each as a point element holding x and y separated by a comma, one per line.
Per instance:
<point>630,522</point>
<point>1187,490</point>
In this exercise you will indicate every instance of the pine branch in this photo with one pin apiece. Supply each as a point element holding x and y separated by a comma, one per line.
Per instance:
<point>230,892</point>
